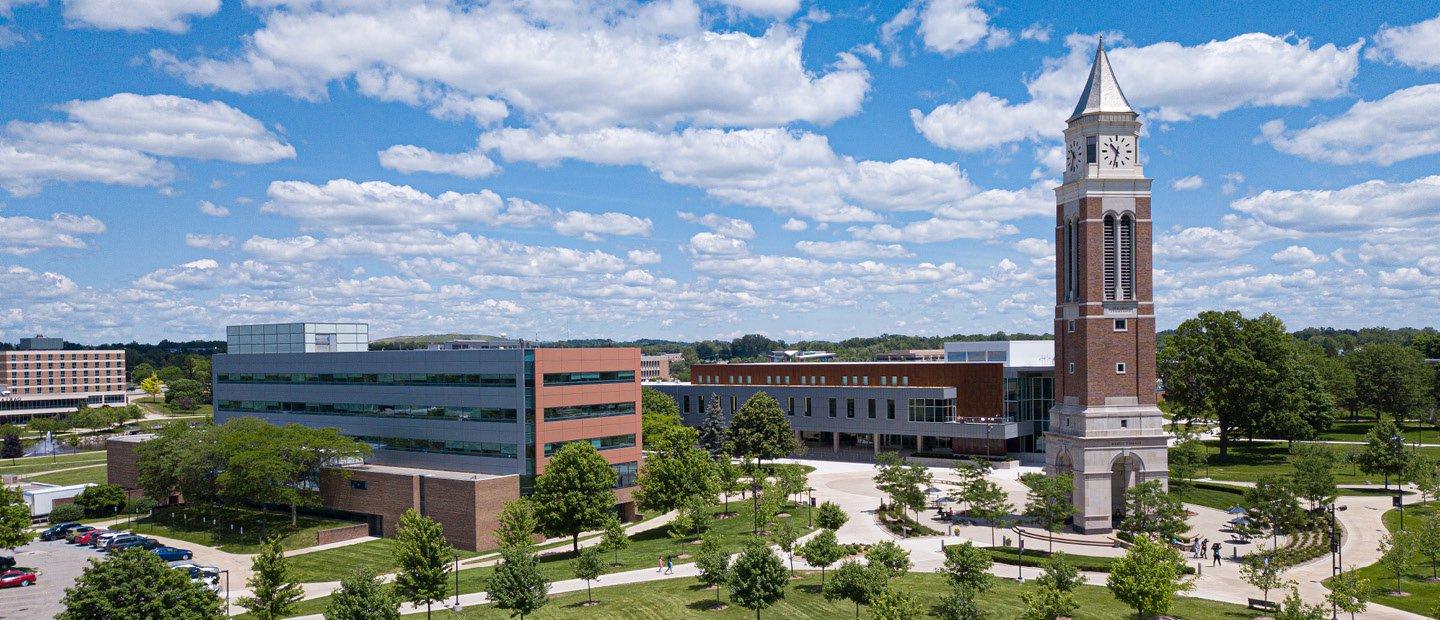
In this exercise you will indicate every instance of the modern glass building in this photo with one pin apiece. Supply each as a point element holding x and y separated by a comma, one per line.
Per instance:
<point>297,338</point>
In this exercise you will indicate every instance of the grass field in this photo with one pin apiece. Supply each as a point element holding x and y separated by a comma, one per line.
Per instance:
<point>685,598</point>
<point>1346,430</point>
<point>32,464</point>
<point>1422,595</point>
<point>335,564</point>
<point>239,530</point>
<point>94,474</point>
<point>1247,462</point>
<point>1223,496</point>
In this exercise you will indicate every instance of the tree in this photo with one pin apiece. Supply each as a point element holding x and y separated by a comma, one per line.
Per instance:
<point>1314,474</point>
<point>1060,572</point>
<point>888,558</point>
<point>1148,576</point>
<point>101,499</point>
<point>830,516</point>
<point>614,540</point>
<point>141,371</point>
<point>517,584</point>
<point>821,551</point>
<point>1427,537</point>
<point>903,484</point>
<point>14,518</point>
<point>152,385</point>
<point>1391,379</point>
<point>423,558</point>
<point>728,475</point>
<point>695,518</point>
<point>895,605</point>
<point>990,502</point>
<point>1186,459</point>
<point>713,562</point>
<point>576,493</point>
<point>1384,451</point>
<point>12,449</point>
<point>856,583</point>
<point>768,506</point>
<point>966,569</point>
<point>758,578</point>
<point>136,583</point>
<point>658,413</point>
<point>674,471</point>
<point>1398,555</point>
<point>362,596</point>
<point>712,430</point>
<point>279,465</point>
<point>785,536</point>
<point>1293,608</point>
<point>1046,602</point>
<point>760,430</point>
<point>589,567</point>
<point>66,512</point>
<point>273,593</point>
<point>970,476</point>
<point>1349,593</point>
<point>517,524</point>
<point>1149,510</point>
<point>1261,571</point>
<point>1273,505</point>
<point>1048,500</point>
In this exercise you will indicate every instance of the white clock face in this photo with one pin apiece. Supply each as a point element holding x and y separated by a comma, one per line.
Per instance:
<point>1116,152</point>
<point>1075,156</point>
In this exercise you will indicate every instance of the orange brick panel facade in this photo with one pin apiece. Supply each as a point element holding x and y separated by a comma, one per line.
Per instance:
<point>587,360</point>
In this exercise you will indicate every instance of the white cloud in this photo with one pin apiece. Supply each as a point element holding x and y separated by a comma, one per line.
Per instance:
<point>26,167</point>
<point>1037,32</point>
<point>643,257</point>
<point>484,111</point>
<point>171,16</point>
<point>1364,206</point>
<point>35,285</point>
<point>1232,183</point>
<point>592,225</point>
<point>1168,81</point>
<point>954,26</point>
<point>409,159</point>
<point>343,204</point>
<point>794,225</point>
<point>1235,237</point>
<point>491,255</point>
<point>705,243</point>
<point>574,64</point>
<point>208,241</point>
<point>1188,183</point>
<point>851,249</point>
<point>1036,248</point>
<point>7,7</point>
<point>728,226</point>
<point>1398,127</point>
<point>1298,256</point>
<point>776,9</point>
<point>1416,45</point>
<point>934,230</point>
<point>213,210</point>
<point>22,235</point>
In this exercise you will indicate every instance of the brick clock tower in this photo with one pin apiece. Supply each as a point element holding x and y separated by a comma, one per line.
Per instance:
<point>1105,428</point>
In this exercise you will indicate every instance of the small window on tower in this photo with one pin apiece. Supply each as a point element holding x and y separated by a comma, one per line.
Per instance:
<point>1070,326</point>
<point>1124,423</point>
<point>1090,150</point>
<point>1071,368</point>
<point>1120,368</point>
<point>1121,325</point>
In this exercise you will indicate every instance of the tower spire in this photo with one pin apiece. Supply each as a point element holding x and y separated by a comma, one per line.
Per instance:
<point>1102,93</point>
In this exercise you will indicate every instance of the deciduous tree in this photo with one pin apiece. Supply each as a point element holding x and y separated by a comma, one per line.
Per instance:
<point>991,503</point>
<point>713,562</point>
<point>658,413</point>
<point>1049,500</point>
<point>785,536</point>
<point>518,524</point>
<point>615,540</point>
<point>1391,379</point>
<point>1261,571</point>
<point>136,583</point>
<point>1398,555</point>
<point>1384,451</point>
<point>101,499</point>
<point>675,470</point>
<point>517,584</point>
<point>966,569</point>
<point>760,430</point>
<point>831,516</point>
<point>12,449</point>
<point>1273,504</point>
<point>854,582</point>
<point>821,551</point>
<point>1148,576</point>
<point>888,558</point>
<point>589,567</point>
<point>1150,511</point>
<point>273,592</point>
<point>14,518</point>
<point>576,493</point>
<point>758,579</point>
<point>423,557</point>
<point>1314,473</point>
<point>1349,593</point>
<point>362,596</point>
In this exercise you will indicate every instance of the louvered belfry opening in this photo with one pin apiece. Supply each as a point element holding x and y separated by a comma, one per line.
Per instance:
<point>1127,257</point>
<point>1109,250</point>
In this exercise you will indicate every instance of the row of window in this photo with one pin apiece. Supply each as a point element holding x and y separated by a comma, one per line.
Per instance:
<point>891,380</point>
<point>57,403</point>
<point>920,409</point>
<point>438,446</point>
<point>63,356</point>
<point>600,443</point>
<point>589,378</point>
<point>578,412</point>
<point>392,378</point>
<point>626,474</point>
<point>428,412</point>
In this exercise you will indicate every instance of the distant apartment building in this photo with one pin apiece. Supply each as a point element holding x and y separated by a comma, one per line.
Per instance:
<point>657,367</point>
<point>42,378</point>
<point>456,430</point>
<point>987,406</point>
<point>912,355</point>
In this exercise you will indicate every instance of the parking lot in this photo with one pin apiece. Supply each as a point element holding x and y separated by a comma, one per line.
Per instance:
<point>57,565</point>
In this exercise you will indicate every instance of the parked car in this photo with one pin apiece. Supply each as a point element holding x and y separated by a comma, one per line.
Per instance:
<point>85,538</point>
<point>99,542</point>
<point>58,530</point>
<point>122,539</point>
<point>73,535</point>
<point>7,562</point>
<point>208,575</point>
<point>171,554</point>
<point>142,542</point>
<point>12,578</point>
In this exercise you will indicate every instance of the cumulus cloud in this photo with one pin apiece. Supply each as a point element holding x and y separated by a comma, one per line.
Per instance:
<point>934,230</point>
<point>22,235</point>
<point>1168,81</point>
<point>213,210</point>
<point>954,26</point>
<point>1298,256</point>
<point>593,225</point>
<point>1397,127</point>
<point>851,249</point>
<point>1036,248</point>
<point>643,257</point>
<point>703,244</point>
<point>1188,183</point>
<point>1364,206</point>
<point>171,16</point>
<point>794,225</point>
<point>409,159</point>
<point>728,226</point>
<point>208,241</point>
<point>580,64</point>
<point>1416,45</point>
<point>775,9</point>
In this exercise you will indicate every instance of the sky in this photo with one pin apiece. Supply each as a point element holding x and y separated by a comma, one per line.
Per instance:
<point>689,169</point>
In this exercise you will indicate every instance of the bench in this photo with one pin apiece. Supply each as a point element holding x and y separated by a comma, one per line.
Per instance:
<point>1263,605</point>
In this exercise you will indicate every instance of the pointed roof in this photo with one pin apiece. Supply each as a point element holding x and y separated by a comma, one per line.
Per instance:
<point>1102,93</point>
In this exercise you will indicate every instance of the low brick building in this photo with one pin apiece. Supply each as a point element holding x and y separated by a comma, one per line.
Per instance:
<point>467,505</point>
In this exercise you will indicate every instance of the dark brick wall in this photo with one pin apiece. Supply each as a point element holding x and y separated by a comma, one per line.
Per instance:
<point>122,463</point>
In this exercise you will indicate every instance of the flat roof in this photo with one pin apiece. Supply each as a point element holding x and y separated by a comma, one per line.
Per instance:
<point>418,471</point>
<point>136,438</point>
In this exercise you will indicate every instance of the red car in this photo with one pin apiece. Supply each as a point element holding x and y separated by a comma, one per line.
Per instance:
<point>12,578</point>
<point>84,539</point>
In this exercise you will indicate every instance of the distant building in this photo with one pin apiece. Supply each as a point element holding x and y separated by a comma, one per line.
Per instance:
<point>912,355</point>
<point>476,345</point>
<point>41,378</point>
<point>801,356</point>
<point>297,338</point>
<point>42,497</point>
<point>657,367</point>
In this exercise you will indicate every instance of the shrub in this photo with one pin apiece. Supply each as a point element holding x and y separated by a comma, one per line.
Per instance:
<point>66,512</point>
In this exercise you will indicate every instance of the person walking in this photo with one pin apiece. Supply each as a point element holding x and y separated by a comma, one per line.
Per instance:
<point>1204,545</point>
<point>660,564</point>
<point>1216,548</point>
<point>1195,548</point>
<point>670,565</point>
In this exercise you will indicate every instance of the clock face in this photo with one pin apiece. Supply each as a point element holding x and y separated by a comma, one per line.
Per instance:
<point>1117,152</point>
<point>1075,156</point>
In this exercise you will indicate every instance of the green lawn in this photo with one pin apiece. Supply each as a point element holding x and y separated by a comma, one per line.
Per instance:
<point>94,474</point>
<point>1423,595</point>
<point>1346,430</point>
<point>685,598</point>
<point>32,464</point>
<point>195,523</point>
<point>1223,496</point>
<point>1247,462</point>
<point>335,564</point>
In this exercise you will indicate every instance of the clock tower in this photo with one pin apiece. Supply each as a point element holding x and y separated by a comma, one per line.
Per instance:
<point>1105,428</point>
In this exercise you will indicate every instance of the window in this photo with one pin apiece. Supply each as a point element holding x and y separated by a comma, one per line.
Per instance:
<point>463,380</point>
<point>849,407</point>
<point>1121,325</point>
<point>1070,368</point>
<point>1127,257</point>
<point>1108,248</point>
<point>600,443</point>
<point>905,380</point>
<point>701,401</point>
<point>687,403</point>
<point>425,412</point>
<point>358,485</point>
<point>832,407</point>
<point>872,409</point>
<point>932,409</point>
<point>1124,423</point>
<point>625,474</point>
<point>807,406</point>
<point>732,405</point>
<point>578,412</point>
<point>589,378</point>
<point>1120,368</point>
<point>790,410</point>
<point>468,448</point>
<point>844,380</point>
<point>1070,326</point>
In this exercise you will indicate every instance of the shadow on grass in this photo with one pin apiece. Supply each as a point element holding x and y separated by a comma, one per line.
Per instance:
<point>708,604</point>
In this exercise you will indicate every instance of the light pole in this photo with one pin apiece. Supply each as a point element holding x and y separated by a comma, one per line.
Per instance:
<point>1399,443</point>
<point>457,582</point>
<point>810,506</point>
<point>227,592</point>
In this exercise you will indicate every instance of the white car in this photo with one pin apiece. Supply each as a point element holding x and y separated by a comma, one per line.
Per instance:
<point>208,575</point>
<point>99,542</point>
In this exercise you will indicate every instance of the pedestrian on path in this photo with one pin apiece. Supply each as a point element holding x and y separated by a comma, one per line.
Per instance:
<point>1216,548</point>
<point>669,565</point>
<point>1204,544</point>
<point>660,564</point>
<point>1195,548</point>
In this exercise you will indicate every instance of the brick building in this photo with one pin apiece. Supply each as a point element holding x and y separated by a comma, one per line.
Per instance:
<point>40,377</point>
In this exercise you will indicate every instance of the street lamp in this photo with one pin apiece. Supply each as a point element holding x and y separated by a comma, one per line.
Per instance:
<point>227,592</point>
<point>1337,557</point>
<point>1399,443</point>
<point>810,509</point>
<point>457,582</point>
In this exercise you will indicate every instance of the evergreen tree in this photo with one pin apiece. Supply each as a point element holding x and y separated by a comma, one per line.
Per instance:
<point>362,596</point>
<point>615,540</point>
<point>856,583</point>
<point>821,551</point>
<point>517,524</point>
<point>712,430</point>
<point>831,516</point>
<point>136,583</point>
<point>576,493</point>
<point>1148,576</point>
<point>758,578</point>
<point>760,430</point>
<point>423,557</point>
<point>517,584</point>
<point>589,567</point>
<point>274,593</point>
<point>713,562</point>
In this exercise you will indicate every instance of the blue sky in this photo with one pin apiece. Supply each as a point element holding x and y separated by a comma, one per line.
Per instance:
<point>692,170</point>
